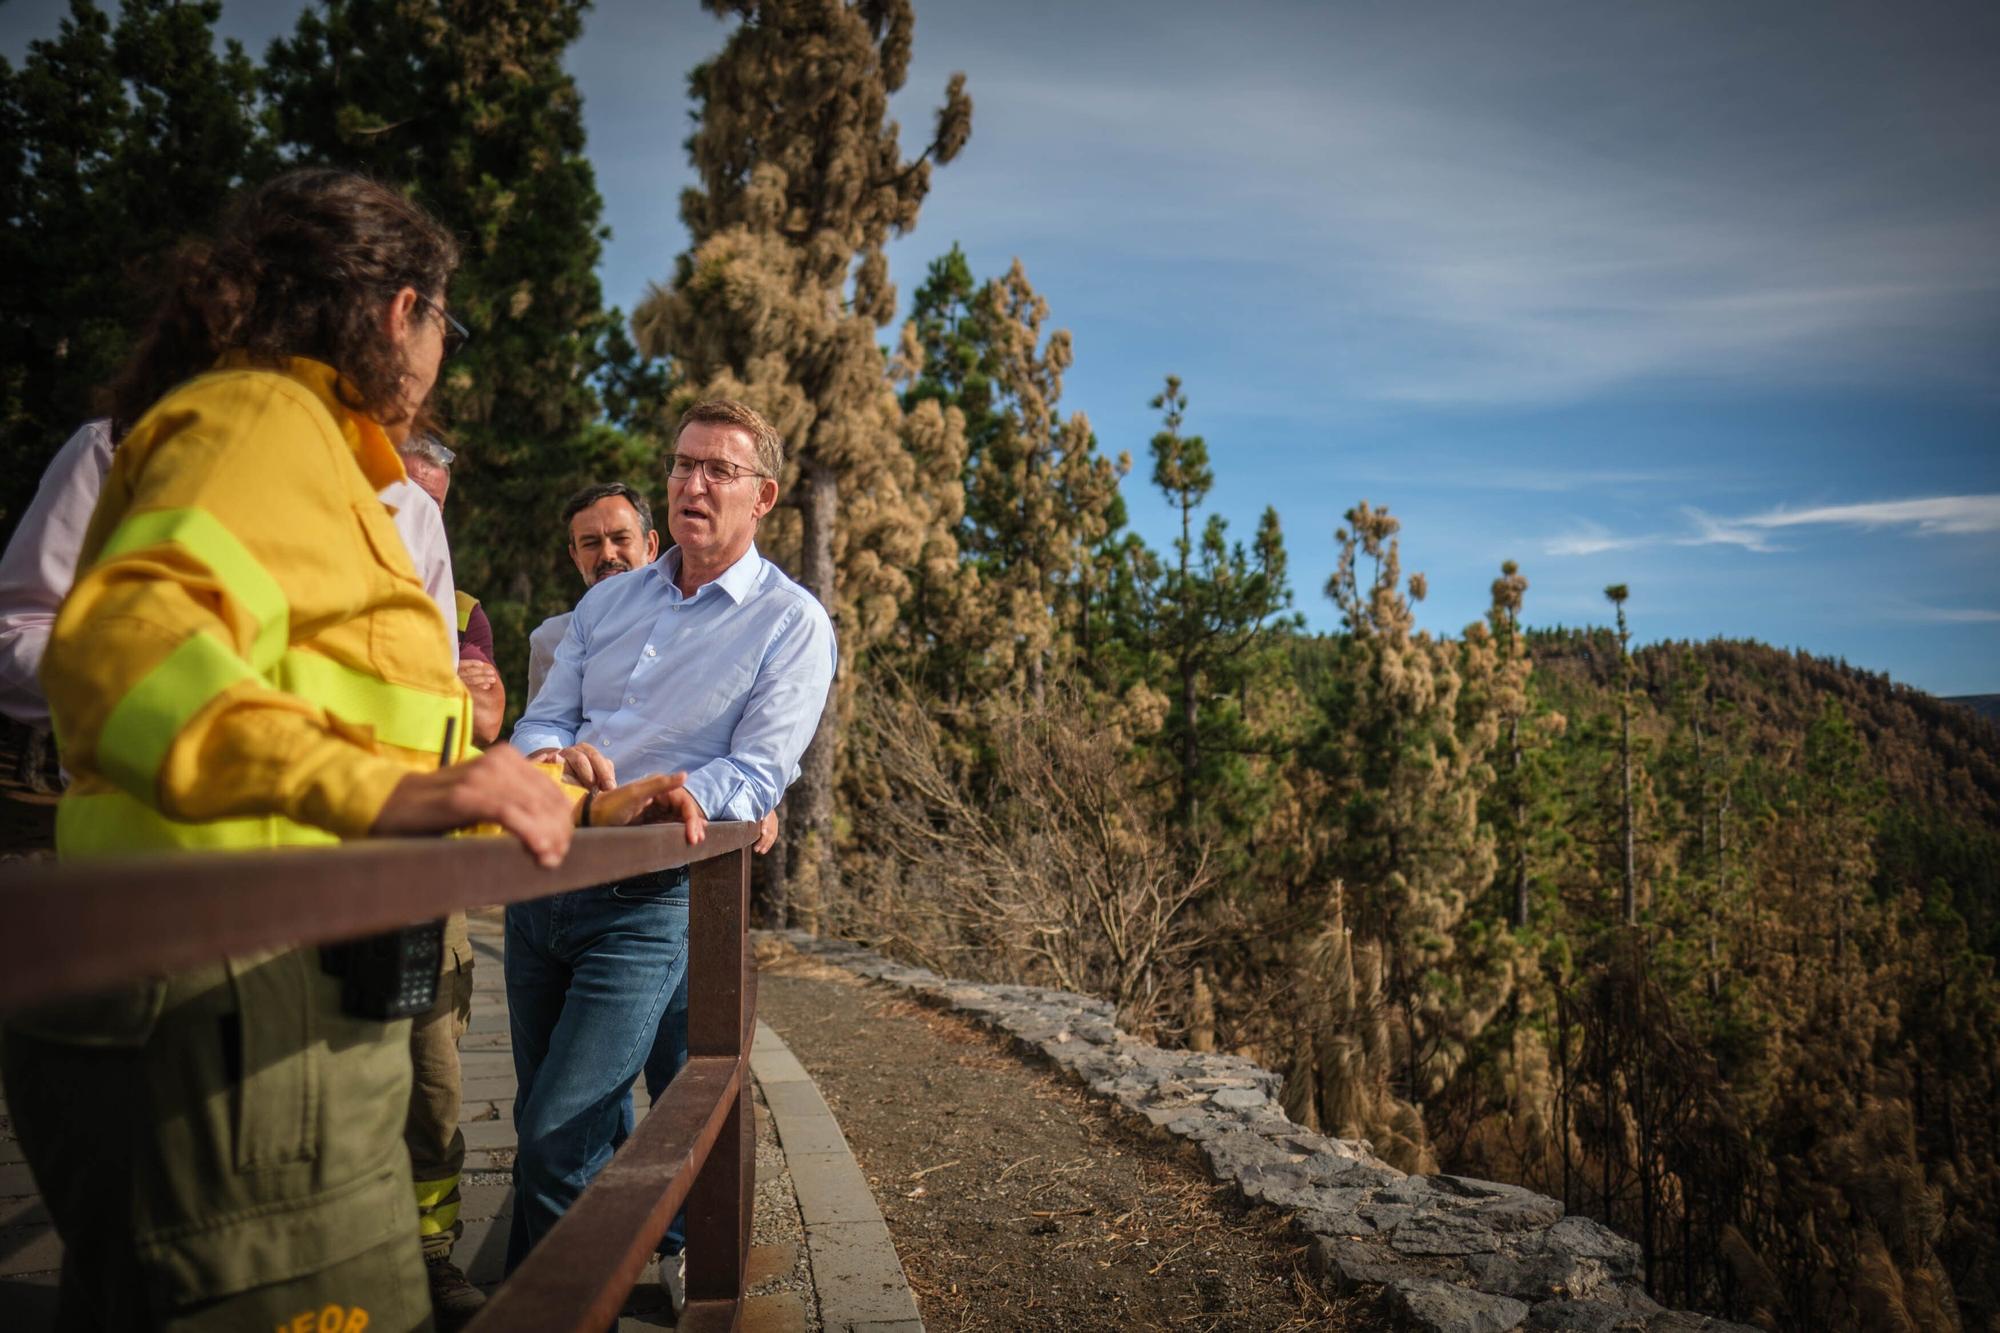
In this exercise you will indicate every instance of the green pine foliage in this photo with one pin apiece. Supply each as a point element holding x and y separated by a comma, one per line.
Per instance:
<point>468,106</point>
<point>119,140</point>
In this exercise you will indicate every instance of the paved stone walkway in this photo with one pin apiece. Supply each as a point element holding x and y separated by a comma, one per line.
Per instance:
<point>782,1297</point>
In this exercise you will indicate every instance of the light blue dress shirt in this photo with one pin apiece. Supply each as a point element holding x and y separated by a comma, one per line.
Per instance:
<point>727,684</point>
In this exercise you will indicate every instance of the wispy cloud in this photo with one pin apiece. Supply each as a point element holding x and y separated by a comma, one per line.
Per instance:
<point>1955,514</point>
<point>1593,539</point>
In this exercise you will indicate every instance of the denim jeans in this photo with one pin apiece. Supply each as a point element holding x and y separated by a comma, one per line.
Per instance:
<point>590,978</point>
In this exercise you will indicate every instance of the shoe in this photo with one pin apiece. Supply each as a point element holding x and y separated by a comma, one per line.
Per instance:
<point>674,1283</point>
<point>454,1300</point>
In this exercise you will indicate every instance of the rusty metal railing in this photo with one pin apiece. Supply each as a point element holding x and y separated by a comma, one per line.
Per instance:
<point>71,929</point>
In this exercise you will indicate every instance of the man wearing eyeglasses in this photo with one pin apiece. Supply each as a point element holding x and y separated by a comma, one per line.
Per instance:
<point>708,661</point>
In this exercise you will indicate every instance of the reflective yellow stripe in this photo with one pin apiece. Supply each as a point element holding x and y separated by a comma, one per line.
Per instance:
<point>410,718</point>
<point>467,604</point>
<point>202,535</point>
<point>438,1220</point>
<point>431,1193</point>
<point>135,737</point>
<point>114,824</point>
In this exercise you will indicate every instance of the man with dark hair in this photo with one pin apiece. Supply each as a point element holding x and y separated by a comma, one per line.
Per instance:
<point>610,531</point>
<point>707,660</point>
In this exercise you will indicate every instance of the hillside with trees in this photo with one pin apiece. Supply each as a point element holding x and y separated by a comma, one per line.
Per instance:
<point>1697,937</point>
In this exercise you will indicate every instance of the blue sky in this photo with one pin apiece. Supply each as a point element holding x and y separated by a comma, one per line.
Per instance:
<point>1699,297</point>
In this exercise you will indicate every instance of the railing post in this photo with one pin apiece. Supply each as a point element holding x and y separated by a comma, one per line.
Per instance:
<point>719,1012</point>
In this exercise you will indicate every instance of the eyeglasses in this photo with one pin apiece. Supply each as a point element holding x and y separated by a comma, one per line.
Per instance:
<point>719,471</point>
<point>456,335</point>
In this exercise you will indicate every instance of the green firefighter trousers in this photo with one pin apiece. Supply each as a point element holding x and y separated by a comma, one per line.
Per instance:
<point>222,1149</point>
<point>437,1145</point>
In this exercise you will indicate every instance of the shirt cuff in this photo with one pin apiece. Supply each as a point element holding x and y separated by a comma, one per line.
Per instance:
<point>722,793</point>
<point>527,742</point>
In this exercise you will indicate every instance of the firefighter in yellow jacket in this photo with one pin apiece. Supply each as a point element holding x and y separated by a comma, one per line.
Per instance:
<point>249,661</point>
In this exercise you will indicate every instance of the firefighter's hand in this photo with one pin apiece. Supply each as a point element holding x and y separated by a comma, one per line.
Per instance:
<point>651,800</point>
<point>499,787</point>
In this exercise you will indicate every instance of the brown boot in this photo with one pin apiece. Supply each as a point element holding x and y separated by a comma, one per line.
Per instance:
<point>454,1300</point>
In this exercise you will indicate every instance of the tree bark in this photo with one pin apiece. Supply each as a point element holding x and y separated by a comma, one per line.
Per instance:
<point>812,873</point>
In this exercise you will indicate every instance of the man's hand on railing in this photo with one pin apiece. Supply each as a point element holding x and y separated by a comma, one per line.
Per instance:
<point>499,787</point>
<point>767,832</point>
<point>587,766</point>
<point>659,799</point>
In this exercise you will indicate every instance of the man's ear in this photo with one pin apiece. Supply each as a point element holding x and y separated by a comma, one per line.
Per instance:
<point>652,545</point>
<point>767,498</point>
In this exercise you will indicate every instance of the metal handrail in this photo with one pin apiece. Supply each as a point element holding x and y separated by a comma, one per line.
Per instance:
<point>69,929</point>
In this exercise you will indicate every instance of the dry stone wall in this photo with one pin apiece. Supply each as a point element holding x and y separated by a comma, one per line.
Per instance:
<point>1450,1254</point>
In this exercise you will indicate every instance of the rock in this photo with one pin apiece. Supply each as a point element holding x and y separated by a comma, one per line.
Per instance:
<point>1585,1317</point>
<point>1586,1239</point>
<point>1349,1264</point>
<point>1238,1099</point>
<point>1230,1154</point>
<point>1443,1233</point>
<point>1539,1276</point>
<point>1439,1307</point>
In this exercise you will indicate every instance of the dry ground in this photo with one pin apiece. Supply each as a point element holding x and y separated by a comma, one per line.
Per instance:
<point>1015,1200</point>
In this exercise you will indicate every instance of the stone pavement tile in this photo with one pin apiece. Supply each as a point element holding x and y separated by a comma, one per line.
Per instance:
<point>16,1181</point>
<point>876,1326</point>
<point>773,1312</point>
<point>26,1212</point>
<point>769,1261</point>
<point>477,1064</point>
<point>857,1274</point>
<point>489,1159</point>
<point>809,1134</point>
<point>830,1188</point>
<point>795,1101</point>
<point>482,1250</point>
<point>10,1152</point>
<point>772,1062</point>
<point>483,1134</point>
<point>487,1087</point>
<point>482,1203</point>
<point>29,1250</point>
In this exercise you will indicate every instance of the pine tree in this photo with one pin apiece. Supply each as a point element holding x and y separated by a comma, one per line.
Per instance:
<point>1629,900</point>
<point>778,302</point>
<point>467,105</point>
<point>1215,608</point>
<point>120,143</point>
<point>1039,497</point>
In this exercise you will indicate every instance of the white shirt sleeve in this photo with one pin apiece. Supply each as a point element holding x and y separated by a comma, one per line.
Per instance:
<point>40,565</point>
<point>542,645</point>
<point>422,528</point>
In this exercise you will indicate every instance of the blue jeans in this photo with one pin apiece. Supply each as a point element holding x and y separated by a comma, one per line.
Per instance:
<point>591,976</point>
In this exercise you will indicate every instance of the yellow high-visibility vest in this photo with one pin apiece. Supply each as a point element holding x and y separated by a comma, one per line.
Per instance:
<point>467,604</point>
<point>249,658</point>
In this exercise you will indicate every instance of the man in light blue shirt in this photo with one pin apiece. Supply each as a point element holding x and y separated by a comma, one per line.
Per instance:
<point>707,661</point>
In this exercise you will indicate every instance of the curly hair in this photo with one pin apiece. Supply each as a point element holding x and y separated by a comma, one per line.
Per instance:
<point>300,266</point>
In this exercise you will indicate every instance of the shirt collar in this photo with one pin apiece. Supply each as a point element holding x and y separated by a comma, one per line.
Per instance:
<point>738,580</point>
<point>377,457</point>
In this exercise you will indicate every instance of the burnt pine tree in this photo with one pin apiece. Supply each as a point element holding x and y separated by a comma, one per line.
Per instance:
<point>802,182</point>
<point>117,143</point>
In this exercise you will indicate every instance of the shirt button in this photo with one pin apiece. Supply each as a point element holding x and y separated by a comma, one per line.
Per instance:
<point>631,698</point>
<point>651,651</point>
